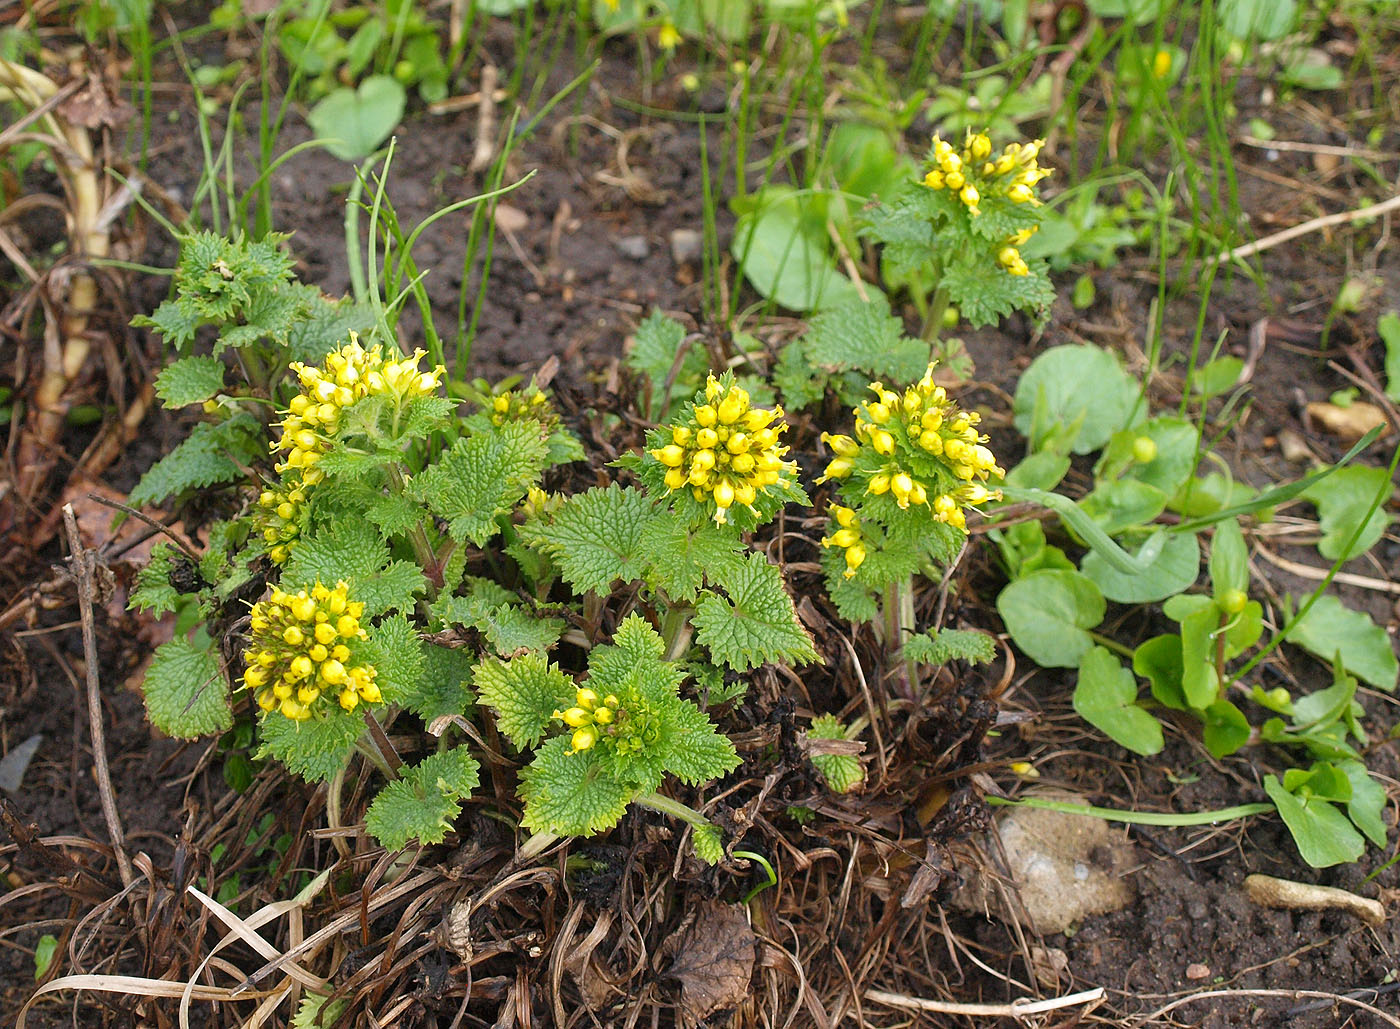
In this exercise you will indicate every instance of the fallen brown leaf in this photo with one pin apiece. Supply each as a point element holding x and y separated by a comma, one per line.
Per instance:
<point>1348,423</point>
<point>713,956</point>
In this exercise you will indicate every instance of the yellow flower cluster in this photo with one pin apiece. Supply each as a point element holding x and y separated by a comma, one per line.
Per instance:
<point>347,375</point>
<point>728,452</point>
<point>848,537</point>
<point>279,514</point>
<point>973,175</point>
<point>299,655</point>
<point>589,715</point>
<point>515,404</point>
<point>908,430</point>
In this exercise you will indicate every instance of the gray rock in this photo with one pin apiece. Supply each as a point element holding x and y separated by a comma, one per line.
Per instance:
<point>687,246</point>
<point>634,248</point>
<point>1065,868</point>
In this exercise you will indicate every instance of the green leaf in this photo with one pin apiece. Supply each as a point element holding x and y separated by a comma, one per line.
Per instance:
<point>511,630</point>
<point>1158,660</point>
<point>1048,614</point>
<point>1329,628</point>
<point>524,692</point>
<point>354,551</point>
<point>315,749</point>
<point>596,537</point>
<point>186,694</point>
<point>1216,377</point>
<point>424,802</point>
<point>570,794</point>
<point>842,772</point>
<point>1229,559</point>
<point>190,380</point>
<point>1106,697</point>
<point>1326,705</point>
<point>1257,19</point>
<point>483,476</point>
<point>984,294</point>
<point>655,347</point>
<point>1175,568</point>
<point>1075,384</point>
<point>1323,834</point>
<point>1368,801</point>
<point>47,947</point>
<point>1123,504</point>
<point>1226,728</point>
<point>396,652</point>
<point>783,257</point>
<point>864,336</point>
<point>938,648</point>
<point>755,623</point>
<point>680,558</point>
<point>1200,681</point>
<point>695,751</point>
<point>315,1013</point>
<point>212,453</point>
<point>153,591</point>
<point>444,688</point>
<point>1388,327</point>
<point>708,842</point>
<point>1343,500</point>
<point>353,122</point>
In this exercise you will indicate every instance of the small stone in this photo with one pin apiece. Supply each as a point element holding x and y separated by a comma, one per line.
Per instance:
<point>687,246</point>
<point>1294,448</point>
<point>634,248</point>
<point>1196,970</point>
<point>511,219</point>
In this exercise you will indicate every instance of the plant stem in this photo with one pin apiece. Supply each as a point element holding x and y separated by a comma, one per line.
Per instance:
<point>933,320</point>
<point>380,750</point>
<point>535,845</point>
<point>676,630</point>
<point>418,537</point>
<point>1111,644</point>
<point>898,612</point>
<point>674,808</point>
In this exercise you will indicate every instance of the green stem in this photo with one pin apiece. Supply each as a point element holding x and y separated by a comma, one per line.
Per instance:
<point>535,845</point>
<point>933,320</point>
<point>418,537</point>
<point>1225,814</point>
<point>1111,644</point>
<point>676,630</point>
<point>898,612</point>
<point>674,808</point>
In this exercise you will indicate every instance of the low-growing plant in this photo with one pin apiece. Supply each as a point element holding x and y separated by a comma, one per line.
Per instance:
<point>1148,467</point>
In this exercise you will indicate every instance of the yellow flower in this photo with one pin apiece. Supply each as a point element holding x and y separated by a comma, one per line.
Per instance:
<point>588,717</point>
<point>726,451</point>
<point>668,37</point>
<point>296,661</point>
<point>1161,64</point>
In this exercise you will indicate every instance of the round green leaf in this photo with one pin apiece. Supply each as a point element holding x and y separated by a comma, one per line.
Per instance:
<point>1048,613</point>
<point>1174,570</point>
<point>1106,698</point>
<point>1323,834</point>
<point>1075,384</point>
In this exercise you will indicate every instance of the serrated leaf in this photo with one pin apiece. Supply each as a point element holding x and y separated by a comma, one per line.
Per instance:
<point>424,802</point>
<point>524,692</point>
<point>510,630</point>
<point>315,1013</point>
<point>444,688</point>
<point>153,591</point>
<point>596,537</point>
<point>314,749</point>
<point>681,557</point>
<point>354,551</point>
<point>1330,628</point>
<point>695,751</point>
<point>1343,499</point>
<point>951,645</point>
<point>708,842</point>
<point>655,347</point>
<point>186,694</point>
<point>190,380</point>
<point>865,336</point>
<point>755,623</point>
<point>396,652</point>
<point>483,476</point>
<point>1105,696</point>
<point>984,294</point>
<point>842,772</point>
<point>212,453</point>
<point>570,794</point>
<point>392,514</point>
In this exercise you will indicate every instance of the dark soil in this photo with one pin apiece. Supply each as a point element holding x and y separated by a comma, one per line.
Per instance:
<point>572,291</point>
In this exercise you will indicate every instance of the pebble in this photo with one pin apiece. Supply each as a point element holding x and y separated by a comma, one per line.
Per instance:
<point>687,246</point>
<point>1196,970</point>
<point>634,248</point>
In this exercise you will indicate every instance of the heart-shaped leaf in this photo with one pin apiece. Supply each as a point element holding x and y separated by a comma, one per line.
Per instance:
<point>1106,697</point>
<point>353,122</point>
<point>1048,613</point>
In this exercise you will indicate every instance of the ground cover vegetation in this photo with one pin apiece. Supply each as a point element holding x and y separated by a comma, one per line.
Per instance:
<point>638,554</point>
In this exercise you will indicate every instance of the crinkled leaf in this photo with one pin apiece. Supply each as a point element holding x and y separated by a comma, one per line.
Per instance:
<point>354,551</point>
<point>524,692</point>
<point>483,475</point>
<point>655,347</point>
<point>755,623</point>
<point>570,794</point>
<point>864,336</point>
<point>212,453</point>
<point>396,652</point>
<point>190,380</point>
<point>186,695</point>
<point>314,749</point>
<point>596,537</point>
<point>680,557</point>
<point>695,751</point>
<point>842,772</point>
<point>153,591</point>
<point>424,802</point>
<point>938,648</point>
<point>444,688</point>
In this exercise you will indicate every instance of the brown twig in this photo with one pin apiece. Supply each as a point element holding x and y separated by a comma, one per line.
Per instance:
<point>81,565</point>
<point>1311,225</point>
